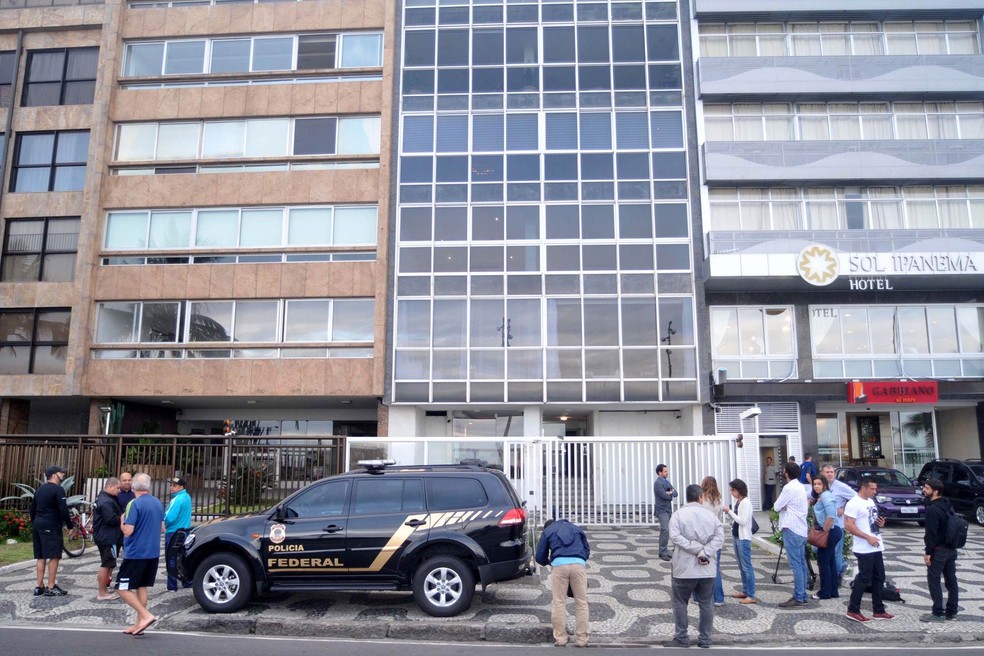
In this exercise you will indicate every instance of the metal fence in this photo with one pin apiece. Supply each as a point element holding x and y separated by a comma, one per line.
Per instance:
<point>609,481</point>
<point>223,475</point>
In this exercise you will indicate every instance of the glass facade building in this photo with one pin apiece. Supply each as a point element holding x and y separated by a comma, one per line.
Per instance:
<point>543,233</point>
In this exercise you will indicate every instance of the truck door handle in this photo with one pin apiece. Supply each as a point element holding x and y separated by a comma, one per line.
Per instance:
<point>415,522</point>
<point>332,528</point>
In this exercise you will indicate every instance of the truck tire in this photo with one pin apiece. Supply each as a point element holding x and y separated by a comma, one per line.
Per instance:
<point>443,586</point>
<point>223,583</point>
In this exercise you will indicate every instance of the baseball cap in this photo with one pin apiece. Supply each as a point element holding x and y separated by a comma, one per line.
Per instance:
<point>54,469</point>
<point>176,481</point>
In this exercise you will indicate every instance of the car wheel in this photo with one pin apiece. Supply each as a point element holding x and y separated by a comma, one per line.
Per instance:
<point>223,583</point>
<point>979,513</point>
<point>443,586</point>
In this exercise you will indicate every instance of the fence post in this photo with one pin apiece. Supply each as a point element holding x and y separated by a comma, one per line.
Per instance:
<point>227,461</point>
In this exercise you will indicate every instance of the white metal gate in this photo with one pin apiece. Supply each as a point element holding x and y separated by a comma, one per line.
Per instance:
<point>610,481</point>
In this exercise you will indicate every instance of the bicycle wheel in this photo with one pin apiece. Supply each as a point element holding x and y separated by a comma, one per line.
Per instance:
<point>74,541</point>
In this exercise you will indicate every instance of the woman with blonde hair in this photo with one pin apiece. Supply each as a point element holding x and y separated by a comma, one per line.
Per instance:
<point>710,498</point>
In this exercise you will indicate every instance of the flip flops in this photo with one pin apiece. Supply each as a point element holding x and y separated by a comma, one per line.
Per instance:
<point>144,627</point>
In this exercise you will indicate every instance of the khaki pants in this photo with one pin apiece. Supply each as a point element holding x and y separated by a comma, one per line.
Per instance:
<point>575,576</point>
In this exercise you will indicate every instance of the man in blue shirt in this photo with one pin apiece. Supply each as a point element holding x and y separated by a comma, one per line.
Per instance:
<point>177,516</point>
<point>808,471</point>
<point>142,524</point>
<point>842,493</point>
<point>564,546</point>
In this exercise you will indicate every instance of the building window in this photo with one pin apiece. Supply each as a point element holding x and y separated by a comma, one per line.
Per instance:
<point>806,39</point>
<point>929,341</point>
<point>50,161</point>
<point>248,139</point>
<point>7,62</point>
<point>753,342</point>
<point>61,77</point>
<point>254,54</point>
<point>274,328</point>
<point>345,232</point>
<point>34,341</point>
<point>950,207</point>
<point>40,249</point>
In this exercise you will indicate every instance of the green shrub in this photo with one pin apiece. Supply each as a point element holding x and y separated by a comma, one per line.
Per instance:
<point>246,483</point>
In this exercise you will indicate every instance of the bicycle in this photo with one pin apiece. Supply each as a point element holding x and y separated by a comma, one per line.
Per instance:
<point>75,538</point>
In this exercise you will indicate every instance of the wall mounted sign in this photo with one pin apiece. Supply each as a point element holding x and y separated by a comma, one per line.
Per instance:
<point>893,391</point>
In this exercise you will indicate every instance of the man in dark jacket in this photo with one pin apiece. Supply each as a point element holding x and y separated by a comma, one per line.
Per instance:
<point>564,546</point>
<point>663,508</point>
<point>108,536</point>
<point>49,512</point>
<point>940,557</point>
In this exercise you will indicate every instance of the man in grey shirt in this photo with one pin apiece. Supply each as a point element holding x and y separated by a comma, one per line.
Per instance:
<point>698,536</point>
<point>663,508</point>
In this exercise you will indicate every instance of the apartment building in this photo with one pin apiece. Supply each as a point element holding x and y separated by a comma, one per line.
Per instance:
<point>194,204</point>
<point>543,265</point>
<point>842,197</point>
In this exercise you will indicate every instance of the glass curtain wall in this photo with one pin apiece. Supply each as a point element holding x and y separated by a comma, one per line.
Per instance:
<point>543,231</point>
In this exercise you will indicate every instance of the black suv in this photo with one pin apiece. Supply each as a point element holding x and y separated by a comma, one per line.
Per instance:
<point>963,484</point>
<point>433,529</point>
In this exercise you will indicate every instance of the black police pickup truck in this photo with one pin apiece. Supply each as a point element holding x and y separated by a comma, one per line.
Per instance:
<point>433,529</point>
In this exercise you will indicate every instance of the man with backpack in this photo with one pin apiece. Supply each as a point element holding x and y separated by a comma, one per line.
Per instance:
<point>943,534</point>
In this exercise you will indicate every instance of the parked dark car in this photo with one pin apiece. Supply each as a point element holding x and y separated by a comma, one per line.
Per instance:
<point>898,497</point>
<point>434,529</point>
<point>963,484</point>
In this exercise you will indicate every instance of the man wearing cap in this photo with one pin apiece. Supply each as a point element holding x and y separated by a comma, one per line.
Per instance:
<point>177,516</point>
<point>49,511</point>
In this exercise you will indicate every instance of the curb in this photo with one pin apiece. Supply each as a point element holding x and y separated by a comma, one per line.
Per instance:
<point>14,567</point>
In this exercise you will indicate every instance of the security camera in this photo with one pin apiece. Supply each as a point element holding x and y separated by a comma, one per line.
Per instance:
<point>754,411</point>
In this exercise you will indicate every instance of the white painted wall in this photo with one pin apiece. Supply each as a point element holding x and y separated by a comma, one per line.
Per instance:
<point>640,423</point>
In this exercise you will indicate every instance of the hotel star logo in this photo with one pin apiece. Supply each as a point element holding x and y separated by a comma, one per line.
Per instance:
<point>817,265</point>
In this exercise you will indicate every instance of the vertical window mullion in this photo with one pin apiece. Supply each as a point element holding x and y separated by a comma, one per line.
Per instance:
<point>52,160</point>
<point>34,339</point>
<point>293,59</point>
<point>44,249</point>
<point>64,77</point>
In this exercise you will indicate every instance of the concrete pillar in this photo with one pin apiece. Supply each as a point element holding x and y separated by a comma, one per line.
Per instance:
<point>532,420</point>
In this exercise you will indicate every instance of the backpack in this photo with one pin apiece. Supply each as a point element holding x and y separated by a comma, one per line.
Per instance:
<point>955,531</point>
<point>890,592</point>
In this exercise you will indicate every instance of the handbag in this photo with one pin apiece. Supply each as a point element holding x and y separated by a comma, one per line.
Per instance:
<point>817,538</point>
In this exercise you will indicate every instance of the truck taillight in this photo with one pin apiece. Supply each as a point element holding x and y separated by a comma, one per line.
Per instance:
<point>513,517</point>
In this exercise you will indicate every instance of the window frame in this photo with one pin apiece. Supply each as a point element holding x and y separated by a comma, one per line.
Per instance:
<point>63,81</point>
<point>53,165</point>
<point>34,343</point>
<point>44,250</point>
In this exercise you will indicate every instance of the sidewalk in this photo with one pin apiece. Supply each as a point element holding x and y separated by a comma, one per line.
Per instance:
<point>628,595</point>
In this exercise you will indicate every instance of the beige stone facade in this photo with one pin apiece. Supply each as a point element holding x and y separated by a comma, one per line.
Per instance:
<point>344,389</point>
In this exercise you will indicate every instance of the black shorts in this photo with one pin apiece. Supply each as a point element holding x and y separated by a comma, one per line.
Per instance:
<point>107,555</point>
<point>48,543</point>
<point>137,573</point>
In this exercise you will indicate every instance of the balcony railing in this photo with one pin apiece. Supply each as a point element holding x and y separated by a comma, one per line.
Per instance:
<point>30,4</point>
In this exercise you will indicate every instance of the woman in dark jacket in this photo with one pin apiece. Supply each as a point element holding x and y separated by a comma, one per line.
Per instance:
<point>107,533</point>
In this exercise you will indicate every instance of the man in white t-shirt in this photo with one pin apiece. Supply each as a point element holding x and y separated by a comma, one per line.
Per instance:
<point>793,508</point>
<point>862,521</point>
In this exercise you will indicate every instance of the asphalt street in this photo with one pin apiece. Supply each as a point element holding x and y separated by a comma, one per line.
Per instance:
<point>31,641</point>
<point>628,595</point>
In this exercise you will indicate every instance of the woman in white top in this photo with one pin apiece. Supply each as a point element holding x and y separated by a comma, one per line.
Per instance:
<point>710,498</point>
<point>741,529</point>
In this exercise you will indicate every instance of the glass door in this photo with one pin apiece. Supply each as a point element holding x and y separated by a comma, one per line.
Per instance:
<point>914,439</point>
<point>831,441</point>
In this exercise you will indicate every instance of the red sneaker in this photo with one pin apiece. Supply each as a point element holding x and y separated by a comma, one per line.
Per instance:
<point>883,616</point>
<point>858,617</point>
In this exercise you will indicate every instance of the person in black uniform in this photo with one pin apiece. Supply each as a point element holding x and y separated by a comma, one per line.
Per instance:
<point>49,511</point>
<point>108,535</point>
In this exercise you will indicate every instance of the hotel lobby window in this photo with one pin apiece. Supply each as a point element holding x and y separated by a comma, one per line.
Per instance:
<point>753,342</point>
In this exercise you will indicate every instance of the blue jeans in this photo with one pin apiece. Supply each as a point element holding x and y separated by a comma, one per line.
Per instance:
<point>796,556</point>
<point>839,553</point>
<point>743,552</point>
<point>827,565</point>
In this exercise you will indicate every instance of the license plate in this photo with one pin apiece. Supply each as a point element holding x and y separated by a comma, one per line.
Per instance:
<point>909,511</point>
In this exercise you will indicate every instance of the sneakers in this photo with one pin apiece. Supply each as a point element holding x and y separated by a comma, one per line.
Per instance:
<point>933,618</point>
<point>858,617</point>
<point>39,592</point>
<point>950,616</point>
<point>718,604</point>
<point>749,600</point>
<point>883,616</point>
<point>792,602</point>
<point>677,643</point>
<point>665,557</point>
<point>54,591</point>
